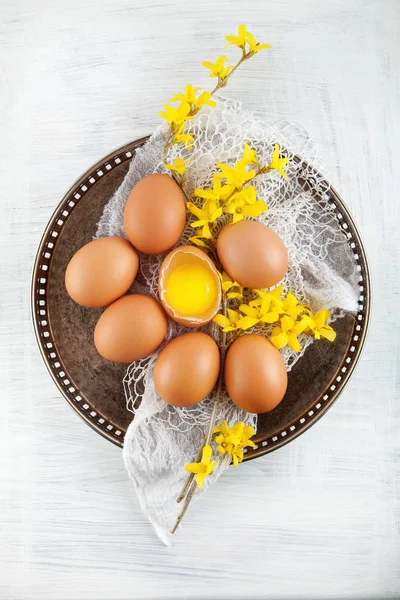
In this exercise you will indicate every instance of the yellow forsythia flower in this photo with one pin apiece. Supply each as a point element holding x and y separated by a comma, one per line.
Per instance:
<point>209,213</point>
<point>183,138</point>
<point>230,322</point>
<point>318,326</point>
<point>277,163</point>
<point>246,195</point>
<point>251,316</point>
<point>218,193</point>
<point>197,240</point>
<point>244,37</point>
<point>238,40</point>
<point>190,96</point>
<point>232,440</point>
<point>238,213</point>
<point>254,46</point>
<point>175,117</point>
<point>292,307</point>
<point>274,295</point>
<point>244,204</point>
<point>237,175</point>
<point>249,155</point>
<point>232,289</point>
<point>179,166</point>
<point>268,308</point>
<point>218,69</point>
<point>203,468</point>
<point>267,312</point>
<point>287,331</point>
<point>204,100</point>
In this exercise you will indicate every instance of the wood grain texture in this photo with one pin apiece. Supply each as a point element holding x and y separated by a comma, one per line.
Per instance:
<point>319,518</point>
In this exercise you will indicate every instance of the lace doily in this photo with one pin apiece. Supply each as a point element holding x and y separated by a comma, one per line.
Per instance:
<point>322,272</point>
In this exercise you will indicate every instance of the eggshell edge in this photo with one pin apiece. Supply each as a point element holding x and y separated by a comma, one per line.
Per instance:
<point>187,322</point>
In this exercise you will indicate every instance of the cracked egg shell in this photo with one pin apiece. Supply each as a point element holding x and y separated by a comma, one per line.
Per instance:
<point>189,286</point>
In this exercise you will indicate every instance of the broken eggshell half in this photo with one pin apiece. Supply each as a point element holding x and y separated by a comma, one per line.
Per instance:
<point>189,286</point>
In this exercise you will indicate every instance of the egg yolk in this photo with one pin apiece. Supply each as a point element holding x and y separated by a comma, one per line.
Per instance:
<point>191,289</point>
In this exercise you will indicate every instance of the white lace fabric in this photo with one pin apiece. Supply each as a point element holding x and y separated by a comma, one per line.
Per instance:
<point>322,272</point>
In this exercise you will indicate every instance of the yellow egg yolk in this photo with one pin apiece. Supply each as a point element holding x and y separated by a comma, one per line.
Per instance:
<point>191,289</point>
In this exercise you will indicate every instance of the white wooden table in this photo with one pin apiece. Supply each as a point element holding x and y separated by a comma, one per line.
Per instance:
<point>319,518</point>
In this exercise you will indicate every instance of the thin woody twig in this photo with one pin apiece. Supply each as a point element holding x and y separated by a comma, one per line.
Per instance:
<point>190,485</point>
<point>221,83</point>
<point>191,491</point>
<point>189,479</point>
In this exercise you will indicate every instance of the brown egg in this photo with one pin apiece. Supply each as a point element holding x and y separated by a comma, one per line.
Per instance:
<point>189,286</point>
<point>131,328</point>
<point>101,271</point>
<point>155,214</point>
<point>255,374</point>
<point>252,253</point>
<point>187,369</point>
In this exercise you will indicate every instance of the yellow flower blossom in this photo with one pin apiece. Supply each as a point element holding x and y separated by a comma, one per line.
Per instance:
<point>237,456</point>
<point>204,100</point>
<point>203,468</point>
<point>254,46</point>
<point>243,203</point>
<point>215,194</point>
<point>218,69</point>
<point>249,155</point>
<point>230,322</point>
<point>266,312</point>
<point>239,209</point>
<point>176,116</point>
<point>224,430</point>
<point>319,327</point>
<point>232,440</point>
<point>183,138</point>
<point>243,433</point>
<point>190,96</point>
<point>237,175</point>
<point>238,40</point>
<point>179,166</point>
<point>227,284</point>
<point>277,163</point>
<point>287,331</point>
<point>291,306</point>
<point>246,195</point>
<point>244,37</point>
<point>197,240</point>
<point>209,213</point>
<point>274,295</point>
